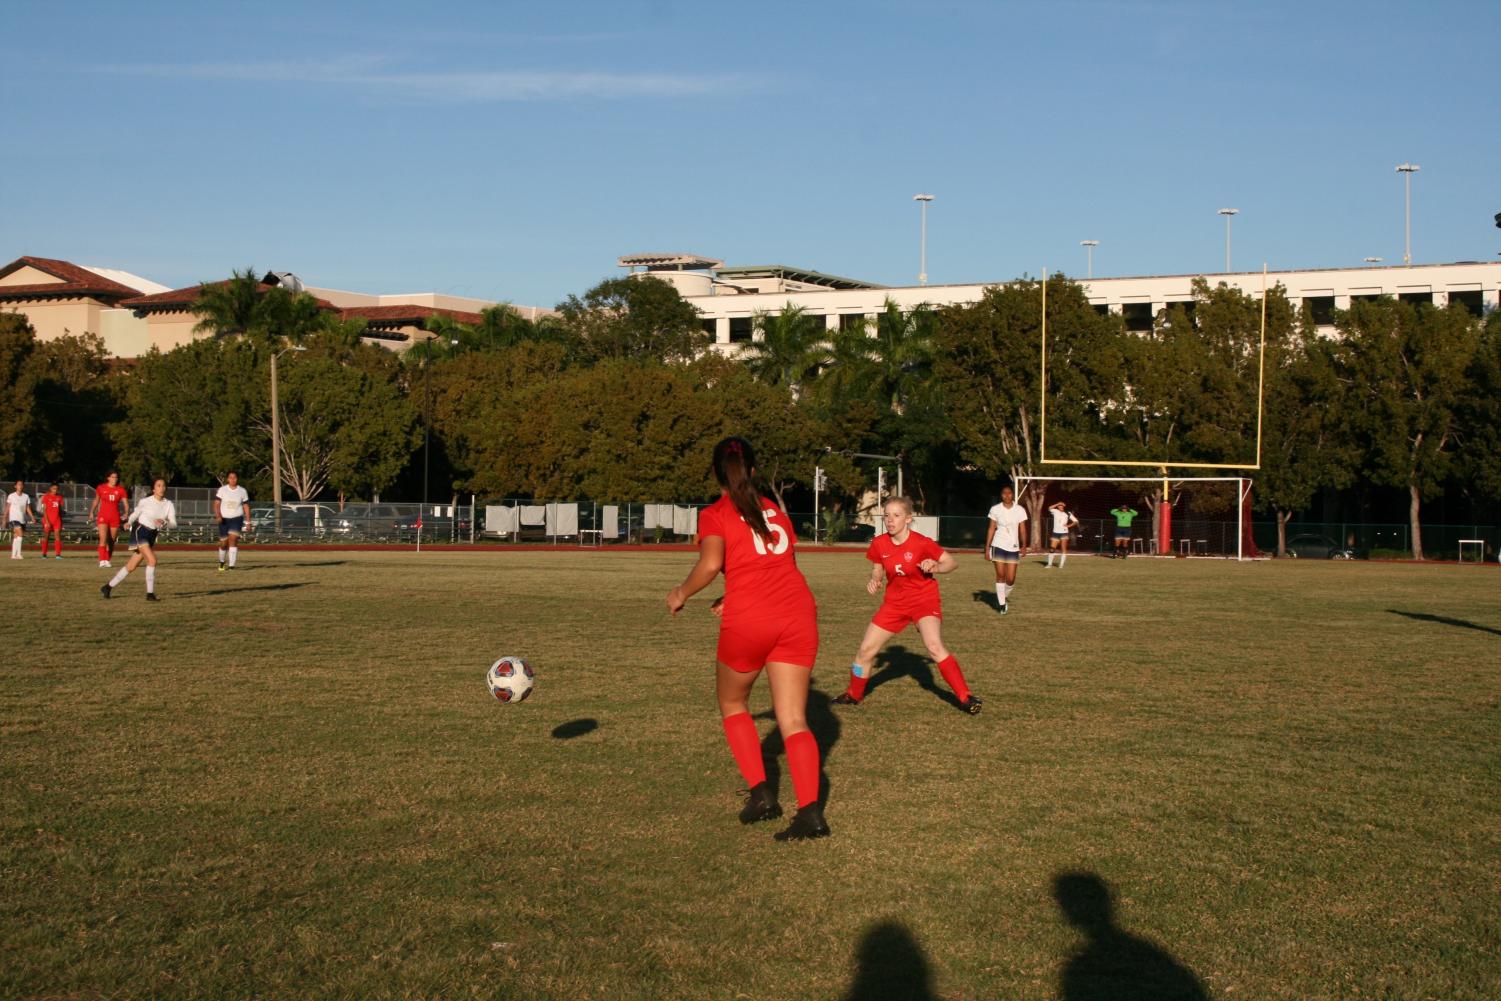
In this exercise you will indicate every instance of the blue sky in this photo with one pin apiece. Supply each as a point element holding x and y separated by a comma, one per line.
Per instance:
<point>513,151</point>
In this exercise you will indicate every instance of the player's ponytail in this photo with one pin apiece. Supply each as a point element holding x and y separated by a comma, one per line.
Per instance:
<point>734,465</point>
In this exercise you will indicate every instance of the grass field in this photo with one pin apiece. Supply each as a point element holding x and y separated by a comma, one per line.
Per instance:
<point>289,781</point>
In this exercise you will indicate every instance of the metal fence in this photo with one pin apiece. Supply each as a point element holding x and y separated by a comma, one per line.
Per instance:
<point>526,521</point>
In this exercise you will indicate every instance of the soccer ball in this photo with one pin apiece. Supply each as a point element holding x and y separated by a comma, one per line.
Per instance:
<point>510,679</point>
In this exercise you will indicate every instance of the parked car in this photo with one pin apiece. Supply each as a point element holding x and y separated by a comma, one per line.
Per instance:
<point>1317,547</point>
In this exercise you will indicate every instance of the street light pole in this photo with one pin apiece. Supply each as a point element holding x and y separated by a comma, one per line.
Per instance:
<point>1089,246</point>
<point>1407,170</point>
<point>922,244</point>
<point>1228,214</point>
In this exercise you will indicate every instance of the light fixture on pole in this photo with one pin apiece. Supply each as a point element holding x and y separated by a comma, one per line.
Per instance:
<point>922,244</point>
<point>1407,170</point>
<point>276,437</point>
<point>1089,246</point>
<point>1373,260</point>
<point>1228,214</point>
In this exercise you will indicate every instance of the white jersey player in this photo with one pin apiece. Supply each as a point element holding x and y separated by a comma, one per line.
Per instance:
<point>151,515</point>
<point>17,513</point>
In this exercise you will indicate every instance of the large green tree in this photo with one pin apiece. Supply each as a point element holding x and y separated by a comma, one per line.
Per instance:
<point>988,358</point>
<point>637,317</point>
<point>19,417</point>
<point>1479,418</point>
<point>1303,449</point>
<point>1406,373</point>
<point>267,314</point>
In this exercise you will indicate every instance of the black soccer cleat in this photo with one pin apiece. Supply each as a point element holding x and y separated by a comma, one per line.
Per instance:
<point>845,699</point>
<point>971,705</point>
<point>1001,609</point>
<point>150,596</point>
<point>807,823</point>
<point>760,805</point>
<point>104,590</point>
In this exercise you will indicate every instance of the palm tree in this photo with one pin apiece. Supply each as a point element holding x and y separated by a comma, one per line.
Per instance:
<point>904,351</point>
<point>849,366</point>
<point>229,307</point>
<point>792,346</point>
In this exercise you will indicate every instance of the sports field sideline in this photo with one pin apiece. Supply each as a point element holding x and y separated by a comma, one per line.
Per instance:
<point>289,781</point>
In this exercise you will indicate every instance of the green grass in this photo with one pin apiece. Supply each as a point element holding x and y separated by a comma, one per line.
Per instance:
<point>290,781</point>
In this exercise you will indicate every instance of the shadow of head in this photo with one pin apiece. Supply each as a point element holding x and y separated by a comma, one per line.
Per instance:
<point>891,965</point>
<point>1084,900</point>
<point>574,728</point>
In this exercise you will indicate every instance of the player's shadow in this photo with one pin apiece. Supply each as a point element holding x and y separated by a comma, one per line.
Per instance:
<point>287,566</point>
<point>986,597</point>
<point>891,966</point>
<point>825,727</point>
<point>897,662</point>
<point>241,590</point>
<point>1111,964</point>
<point>1444,620</point>
<point>575,728</point>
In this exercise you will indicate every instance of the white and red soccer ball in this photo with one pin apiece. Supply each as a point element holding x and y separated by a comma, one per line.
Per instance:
<point>510,680</point>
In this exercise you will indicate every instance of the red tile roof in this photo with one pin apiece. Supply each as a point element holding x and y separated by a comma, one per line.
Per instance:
<point>405,314</point>
<point>76,281</point>
<point>184,298</point>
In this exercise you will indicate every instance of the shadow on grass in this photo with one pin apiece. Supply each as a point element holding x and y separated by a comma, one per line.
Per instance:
<point>287,566</point>
<point>1111,964</point>
<point>825,726</point>
<point>241,590</point>
<point>574,728</point>
<point>896,662</point>
<point>987,597</point>
<point>1444,620</point>
<point>891,966</point>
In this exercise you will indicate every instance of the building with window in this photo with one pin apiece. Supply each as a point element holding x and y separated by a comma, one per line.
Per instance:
<point>730,297</point>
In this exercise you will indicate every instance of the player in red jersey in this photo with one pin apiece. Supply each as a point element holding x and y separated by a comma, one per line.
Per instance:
<point>108,513</point>
<point>907,561</point>
<point>52,519</point>
<point>768,620</point>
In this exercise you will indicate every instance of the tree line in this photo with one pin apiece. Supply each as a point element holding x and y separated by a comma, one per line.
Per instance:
<point>619,397</point>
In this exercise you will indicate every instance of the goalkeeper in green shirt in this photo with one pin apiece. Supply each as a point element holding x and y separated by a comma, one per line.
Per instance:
<point>1123,518</point>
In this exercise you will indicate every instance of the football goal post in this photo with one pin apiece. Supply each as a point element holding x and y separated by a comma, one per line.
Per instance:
<point>1176,516</point>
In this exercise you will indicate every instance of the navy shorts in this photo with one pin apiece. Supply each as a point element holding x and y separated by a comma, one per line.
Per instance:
<point>140,535</point>
<point>1060,535</point>
<point>999,555</point>
<point>235,525</point>
<point>1122,534</point>
<point>18,525</point>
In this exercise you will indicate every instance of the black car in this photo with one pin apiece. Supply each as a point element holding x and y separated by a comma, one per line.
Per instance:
<point>1317,547</point>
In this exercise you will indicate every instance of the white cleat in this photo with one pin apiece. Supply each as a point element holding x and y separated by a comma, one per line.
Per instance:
<point>105,564</point>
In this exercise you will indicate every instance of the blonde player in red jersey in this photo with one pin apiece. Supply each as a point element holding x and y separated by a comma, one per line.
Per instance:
<point>52,519</point>
<point>768,620</point>
<point>906,562</point>
<point>108,513</point>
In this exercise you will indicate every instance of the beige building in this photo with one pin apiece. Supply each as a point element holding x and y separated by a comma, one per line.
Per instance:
<point>61,298</point>
<point>133,315</point>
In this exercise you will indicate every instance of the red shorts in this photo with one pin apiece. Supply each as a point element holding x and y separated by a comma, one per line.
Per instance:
<point>110,522</point>
<point>750,645</point>
<point>52,524</point>
<point>894,616</point>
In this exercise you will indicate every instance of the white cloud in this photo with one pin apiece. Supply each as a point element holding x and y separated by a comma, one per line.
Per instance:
<point>374,75</point>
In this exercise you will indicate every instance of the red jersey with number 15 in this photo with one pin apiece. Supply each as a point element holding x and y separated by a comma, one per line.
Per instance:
<point>905,578</point>
<point>761,577</point>
<point>109,502</point>
<point>52,508</point>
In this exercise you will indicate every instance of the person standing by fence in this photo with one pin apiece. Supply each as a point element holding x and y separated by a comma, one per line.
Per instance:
<point>17,513</point>
<point>52,519</point>
<point>108,513</point>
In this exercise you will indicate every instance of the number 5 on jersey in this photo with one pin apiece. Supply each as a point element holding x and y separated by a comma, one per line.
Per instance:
<point>779,539</point>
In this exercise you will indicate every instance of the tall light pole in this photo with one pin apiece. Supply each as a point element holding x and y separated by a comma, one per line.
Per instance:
<point>1407,170</point>
<point>922,244</point>
<point>1089,246</point>
<point>1228,214</point>
<point>276,438</point>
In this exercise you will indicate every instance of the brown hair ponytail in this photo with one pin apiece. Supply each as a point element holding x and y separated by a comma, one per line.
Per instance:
<point>734,465</point>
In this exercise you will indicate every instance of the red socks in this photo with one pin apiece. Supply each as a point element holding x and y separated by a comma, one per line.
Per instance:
<point>802,762</point>
<point>949,668</point>
<point>857,686</point>
<point>103,554</point>
<point>745,745</point>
